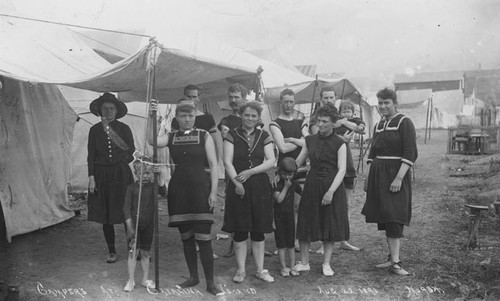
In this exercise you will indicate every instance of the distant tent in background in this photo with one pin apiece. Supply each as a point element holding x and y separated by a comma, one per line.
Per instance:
<point>309,70</point>
<point>304,91</point>
<point>415,105</point>
<point>434,97</point>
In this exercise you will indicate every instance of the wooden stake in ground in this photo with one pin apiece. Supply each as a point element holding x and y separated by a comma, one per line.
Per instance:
<point>474,220</point>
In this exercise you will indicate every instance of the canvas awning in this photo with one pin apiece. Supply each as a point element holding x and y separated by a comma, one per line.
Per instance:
<point>47,53</point>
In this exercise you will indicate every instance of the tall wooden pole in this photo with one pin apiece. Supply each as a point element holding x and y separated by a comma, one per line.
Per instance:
<point>151,94</point>
<point>155,191</point>
<point>431,114</point>
<point>312,98</point>
<point>427,120</point>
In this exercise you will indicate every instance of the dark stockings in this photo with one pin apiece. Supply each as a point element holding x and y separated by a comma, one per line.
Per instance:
<point>192,262</point>
<point>207,260</point>
<point>109,235</point>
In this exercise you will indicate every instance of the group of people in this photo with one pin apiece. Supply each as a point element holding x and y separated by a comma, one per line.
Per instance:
<point>258,201</point>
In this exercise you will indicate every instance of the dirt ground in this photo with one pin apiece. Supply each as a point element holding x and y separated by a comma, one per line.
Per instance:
<point>67,261</point>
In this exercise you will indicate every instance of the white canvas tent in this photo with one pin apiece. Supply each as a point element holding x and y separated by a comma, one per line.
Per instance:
<point>445,107</point>
<point>36,122</point>
<point>32,194</point>
<point>36,136</point>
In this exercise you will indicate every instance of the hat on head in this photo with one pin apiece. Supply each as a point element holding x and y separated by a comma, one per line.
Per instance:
<point>185,103</point>
<point>96,105</point>
<point>288,164</point>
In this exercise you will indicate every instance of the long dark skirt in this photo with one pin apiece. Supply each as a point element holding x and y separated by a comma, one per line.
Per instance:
<point>318,222</point>
<point>382,205</point>
<point>106,204</point>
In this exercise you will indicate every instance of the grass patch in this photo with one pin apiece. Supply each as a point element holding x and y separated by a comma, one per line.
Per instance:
<point>470,274</point>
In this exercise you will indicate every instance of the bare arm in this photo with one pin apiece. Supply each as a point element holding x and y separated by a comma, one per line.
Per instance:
<point>283,146</point>
<point>339,177</point>
<point>216,144</point>
<point>280,196</point>
<point>163,138</point>
<point>268,163</point>
<point>302,156</point>
<point>305,128</point>
<point>228,165</point>
<point>360,129</point>
<point>224,130</point>
<point>396,183</point>
<point>212,162</point>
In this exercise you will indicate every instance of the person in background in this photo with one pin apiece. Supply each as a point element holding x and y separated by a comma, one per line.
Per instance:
<point>192,193</point>
<point>110,150</point>
<point>204,120</point>
<point>236,95</point>
<point>349,125</point>
<point>248,155</point>
<point>388,192</point>
<point>143,217</point>
<point>288,132</point>
<point>284,219</point>
<point>326,95</point>
<point>323,206</point>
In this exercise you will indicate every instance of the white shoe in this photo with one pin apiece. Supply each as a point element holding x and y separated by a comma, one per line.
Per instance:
<point>148,284</point>
<point>299,267</point>
<point>129,286</point>
<point>327,270</point>
<point>264,275</point>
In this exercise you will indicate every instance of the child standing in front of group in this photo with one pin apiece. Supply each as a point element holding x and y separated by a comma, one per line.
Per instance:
<point>284,214</point>
<point>131,209</point>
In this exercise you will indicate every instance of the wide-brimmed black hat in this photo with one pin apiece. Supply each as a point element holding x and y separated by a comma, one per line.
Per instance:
<point>96,105</point>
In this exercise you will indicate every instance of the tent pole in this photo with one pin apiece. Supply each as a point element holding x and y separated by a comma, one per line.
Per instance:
<point>427,120</point>
<point>151,94</point>
<point>360,160</point>
<point>155,190</point>
<point>431,114</point>
<point>312,99</point>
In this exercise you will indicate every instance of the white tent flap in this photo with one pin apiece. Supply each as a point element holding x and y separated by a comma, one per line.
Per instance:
<point>34,166</point>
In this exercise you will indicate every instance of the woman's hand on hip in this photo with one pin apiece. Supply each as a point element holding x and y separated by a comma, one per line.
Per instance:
<point>244,175</point>
<point>327,198</point>
<point>92,188</point>
<point>239,189</point>
<point>396,185</point>
<point>212,198</point>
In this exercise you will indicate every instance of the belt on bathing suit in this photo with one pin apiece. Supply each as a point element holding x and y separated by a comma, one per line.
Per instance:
<point>389,158</point>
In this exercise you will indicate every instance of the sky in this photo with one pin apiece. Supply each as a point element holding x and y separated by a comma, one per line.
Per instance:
<point>357,38</point>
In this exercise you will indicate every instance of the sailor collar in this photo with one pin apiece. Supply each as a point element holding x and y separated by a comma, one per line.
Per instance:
<point>242,133</point>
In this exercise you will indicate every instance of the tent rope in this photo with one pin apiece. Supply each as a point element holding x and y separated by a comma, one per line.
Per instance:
<point>74,25</point>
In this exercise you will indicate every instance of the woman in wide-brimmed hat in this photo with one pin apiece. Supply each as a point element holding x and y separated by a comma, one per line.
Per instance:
<point>110,149</point>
